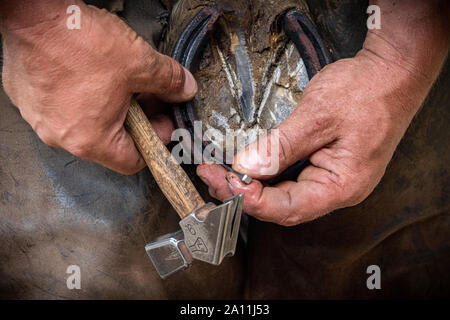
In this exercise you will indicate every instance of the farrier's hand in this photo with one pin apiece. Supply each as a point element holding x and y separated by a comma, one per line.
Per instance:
<point>349,121</point>
<point>74,86</point>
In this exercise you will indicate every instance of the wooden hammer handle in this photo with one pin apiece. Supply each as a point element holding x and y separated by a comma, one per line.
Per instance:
<point>171,178</point>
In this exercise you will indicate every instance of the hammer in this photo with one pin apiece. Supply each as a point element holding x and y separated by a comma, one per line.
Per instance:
<point>208,232</point>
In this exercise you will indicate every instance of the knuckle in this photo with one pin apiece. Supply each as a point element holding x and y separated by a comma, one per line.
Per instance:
<point>322,123</point>
<point>255,204</point>
<point>252,200</point>
<point>350,191</point>
<point>354,198</point>
<point>169,72</point>
<point>285,146</point>
<point>177,77</point>
<point>295,215</point>
<point>146,55</point>
<point>150,57</point>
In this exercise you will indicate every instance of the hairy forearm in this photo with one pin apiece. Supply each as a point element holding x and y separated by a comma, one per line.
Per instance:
<point>413,41</point>
<point>20,14</point>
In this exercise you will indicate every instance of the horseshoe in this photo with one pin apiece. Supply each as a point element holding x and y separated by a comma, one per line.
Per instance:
<point>297,26</point>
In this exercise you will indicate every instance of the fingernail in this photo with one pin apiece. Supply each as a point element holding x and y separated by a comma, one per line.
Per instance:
<point>190,85</point>
<point>249,162</point>
<point>230,178</point>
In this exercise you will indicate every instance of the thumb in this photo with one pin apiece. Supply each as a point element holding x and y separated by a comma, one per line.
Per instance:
<point>298,137</point>
<point>162,76</point>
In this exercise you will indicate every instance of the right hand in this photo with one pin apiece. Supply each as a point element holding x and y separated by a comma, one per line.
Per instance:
<point>74,86</point>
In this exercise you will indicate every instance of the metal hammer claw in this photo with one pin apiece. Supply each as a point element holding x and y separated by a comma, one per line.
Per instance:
<point>209,235</point>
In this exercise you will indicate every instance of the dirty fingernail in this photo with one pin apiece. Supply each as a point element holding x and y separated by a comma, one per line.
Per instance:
<point>190,85</point>
<point>230,179</point>
<point>229,176</point>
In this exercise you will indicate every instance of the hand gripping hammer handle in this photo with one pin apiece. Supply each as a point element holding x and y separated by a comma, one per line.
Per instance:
<point>171,178</point>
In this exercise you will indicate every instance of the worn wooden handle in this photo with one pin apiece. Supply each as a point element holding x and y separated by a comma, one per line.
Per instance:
<point>171,178</point>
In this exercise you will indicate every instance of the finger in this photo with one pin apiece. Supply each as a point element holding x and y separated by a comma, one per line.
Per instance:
<point>162,76</point>
<point>116,150</point>
<point>214,176</point>
<point>272,204</point>
<point>304,132</point>
<point>317,192</point>
<point>289,203</point>
<point>264,203</point>
<point>163,125</point>
<point>151,105</point>
<point>149,71</point>
<point>121,154</point>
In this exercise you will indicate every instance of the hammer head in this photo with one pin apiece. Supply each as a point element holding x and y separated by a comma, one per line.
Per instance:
<point>208,234</point>
<point>212,236</point>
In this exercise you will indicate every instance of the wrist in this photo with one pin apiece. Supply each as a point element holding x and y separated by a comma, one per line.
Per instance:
<point>409,49</point>
<point>403,84</point>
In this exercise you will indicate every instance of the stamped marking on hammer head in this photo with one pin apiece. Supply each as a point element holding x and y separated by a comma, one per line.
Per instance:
<point>208,234</point>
